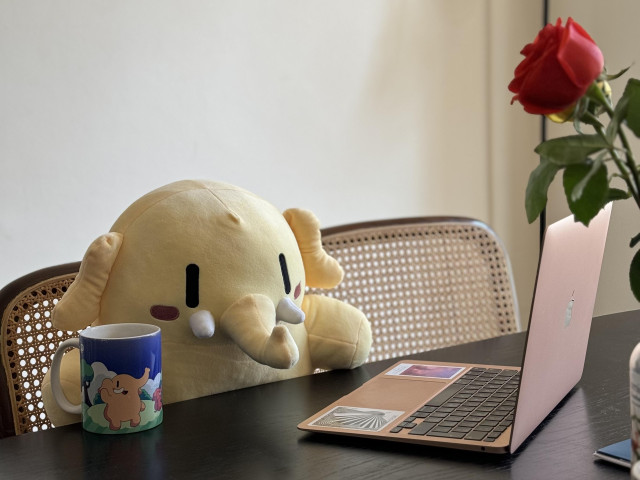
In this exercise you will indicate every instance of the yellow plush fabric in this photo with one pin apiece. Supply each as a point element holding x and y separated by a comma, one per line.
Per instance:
<point>321,270</point>
<point>335,344</point>
<point>252,266</point>
<point>88,287</point>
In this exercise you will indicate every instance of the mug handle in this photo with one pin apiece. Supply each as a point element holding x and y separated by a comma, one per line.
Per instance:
<point>56,387</point>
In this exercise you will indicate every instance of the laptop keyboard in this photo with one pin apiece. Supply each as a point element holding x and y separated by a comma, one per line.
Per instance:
<point>478,406</point>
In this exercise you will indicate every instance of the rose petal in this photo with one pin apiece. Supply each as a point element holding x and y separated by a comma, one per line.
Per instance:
<point>579,55</point>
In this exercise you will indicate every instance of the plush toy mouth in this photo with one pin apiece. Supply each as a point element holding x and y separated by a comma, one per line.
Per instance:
<point>120,390</point>
<point>297,291</point>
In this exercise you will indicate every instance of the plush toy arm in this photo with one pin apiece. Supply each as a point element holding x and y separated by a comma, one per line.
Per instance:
<point>80,306</point>
<point>339,334</point>
<point>321,270</point>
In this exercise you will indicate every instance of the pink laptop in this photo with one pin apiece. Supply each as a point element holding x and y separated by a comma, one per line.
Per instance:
<point>487,407</point>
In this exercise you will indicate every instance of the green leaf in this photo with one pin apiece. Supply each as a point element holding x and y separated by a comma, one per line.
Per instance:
<point>593,195</point>
<point>619,114</point>
<point>571,150</point>
<point>578,189</point>
<point>613,76</point>
<point>632,96</point>
<point>634,275</point>
<point>634,241</point>
<point>536,193</point>
<point>617,194</point>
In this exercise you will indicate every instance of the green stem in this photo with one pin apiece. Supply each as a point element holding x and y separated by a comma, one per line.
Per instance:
<point>595,93</point>
<point>631,163</point>
<point>624,172</point>
<point>633,182</point>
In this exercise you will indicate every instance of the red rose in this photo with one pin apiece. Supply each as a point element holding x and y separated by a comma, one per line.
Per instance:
<point>557,70</point>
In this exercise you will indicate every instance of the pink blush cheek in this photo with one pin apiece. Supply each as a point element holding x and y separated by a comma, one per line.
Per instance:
<point>164,312</point>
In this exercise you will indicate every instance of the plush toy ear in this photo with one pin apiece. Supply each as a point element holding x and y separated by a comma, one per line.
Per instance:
<point>321,270</point>
<point>80,306</point>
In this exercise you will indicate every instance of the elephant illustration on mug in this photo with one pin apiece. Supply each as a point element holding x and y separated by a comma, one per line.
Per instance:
<point>121,394</point>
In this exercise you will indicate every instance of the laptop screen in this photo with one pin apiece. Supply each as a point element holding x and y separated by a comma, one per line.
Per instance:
<point>560,321</point>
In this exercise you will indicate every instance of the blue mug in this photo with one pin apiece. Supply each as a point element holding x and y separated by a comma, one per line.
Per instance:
<point>121,368</point>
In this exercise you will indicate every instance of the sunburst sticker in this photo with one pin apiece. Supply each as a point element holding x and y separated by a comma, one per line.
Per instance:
<point>354,418</point>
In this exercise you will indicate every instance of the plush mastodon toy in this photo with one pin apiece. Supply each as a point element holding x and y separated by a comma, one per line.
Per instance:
<point>223,274</point>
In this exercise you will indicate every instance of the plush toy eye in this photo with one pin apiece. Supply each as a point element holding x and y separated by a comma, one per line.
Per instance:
<point>285,274</point>
<point>192,285</point>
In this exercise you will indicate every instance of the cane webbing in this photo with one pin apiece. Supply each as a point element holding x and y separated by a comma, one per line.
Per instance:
<point>424,283</point>
<point>28,343</point>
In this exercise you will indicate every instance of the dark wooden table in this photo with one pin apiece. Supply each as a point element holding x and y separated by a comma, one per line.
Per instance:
<point>252,433</point>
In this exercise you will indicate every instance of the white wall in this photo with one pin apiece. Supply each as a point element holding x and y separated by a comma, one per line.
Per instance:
<point>357,110</point>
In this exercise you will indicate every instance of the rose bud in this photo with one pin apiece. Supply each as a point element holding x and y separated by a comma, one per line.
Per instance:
<point>558,68</point>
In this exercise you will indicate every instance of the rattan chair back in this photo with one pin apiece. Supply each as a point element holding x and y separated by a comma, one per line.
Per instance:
<point>28,342</point>
<point>424,283</point>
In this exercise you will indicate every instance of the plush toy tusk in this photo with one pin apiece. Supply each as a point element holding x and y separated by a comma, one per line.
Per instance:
<point>202,324</point>
<point>289,312</point>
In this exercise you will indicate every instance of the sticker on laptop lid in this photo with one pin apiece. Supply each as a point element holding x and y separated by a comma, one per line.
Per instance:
<point>445,372</point>
<point>355,418</point>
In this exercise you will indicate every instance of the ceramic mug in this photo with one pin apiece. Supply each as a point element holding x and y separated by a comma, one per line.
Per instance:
<point>121,369</point>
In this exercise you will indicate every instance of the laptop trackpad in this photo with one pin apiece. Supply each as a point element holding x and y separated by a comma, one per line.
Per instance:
<point>394,393</point>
